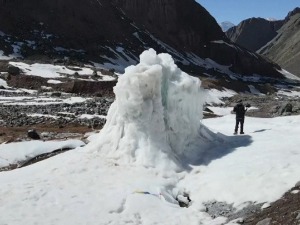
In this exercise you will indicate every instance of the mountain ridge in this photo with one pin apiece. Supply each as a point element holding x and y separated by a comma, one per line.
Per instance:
<point>276,40</point>
<point>116,32</point>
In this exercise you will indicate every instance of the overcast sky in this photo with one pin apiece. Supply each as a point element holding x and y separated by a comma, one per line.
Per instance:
<point>237,10</point>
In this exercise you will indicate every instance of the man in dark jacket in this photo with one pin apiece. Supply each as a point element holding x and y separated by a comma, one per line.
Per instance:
<point>240,111</point>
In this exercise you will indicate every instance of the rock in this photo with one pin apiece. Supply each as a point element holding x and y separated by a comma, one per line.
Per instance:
<point>13,70</point>
<point>266,221</point>
<point>206,109</point>
<point>298,216</point>
<point>297,184</point>
<point>183,200</point>
<point>56,94</point>
<point>237,221</point>
<point>266,205</point>
<point>288,108</point>
<point>33,134</point>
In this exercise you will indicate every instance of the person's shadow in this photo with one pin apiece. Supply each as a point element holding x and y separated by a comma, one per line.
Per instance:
<point>212,146</point>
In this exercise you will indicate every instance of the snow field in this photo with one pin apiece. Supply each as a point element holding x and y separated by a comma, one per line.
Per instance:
<point>152,150</point>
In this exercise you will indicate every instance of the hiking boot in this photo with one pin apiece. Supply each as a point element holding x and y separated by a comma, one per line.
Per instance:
<point>242,132</point>
<point>235,133</point>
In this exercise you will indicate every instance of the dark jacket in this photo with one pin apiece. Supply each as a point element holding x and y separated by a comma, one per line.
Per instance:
<point>240,111</point>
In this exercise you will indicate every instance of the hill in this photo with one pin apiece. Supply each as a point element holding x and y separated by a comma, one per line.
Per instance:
<point>284,49</point>
<point>276,40</point>
<point>254,33</point>
<point>114,33</point>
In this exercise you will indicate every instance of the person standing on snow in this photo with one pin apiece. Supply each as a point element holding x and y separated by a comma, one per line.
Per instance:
<point>240,111</point>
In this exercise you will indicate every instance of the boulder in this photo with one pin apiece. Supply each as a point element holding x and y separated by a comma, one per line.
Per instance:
<point>13,70</point>
<point>266,221</point>
<point>33,134</point>
<point>287,109</point>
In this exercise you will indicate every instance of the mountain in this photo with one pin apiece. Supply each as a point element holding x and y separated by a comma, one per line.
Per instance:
<point>254,33</point>
<point>114,33</point>
<point>284,49</point>
<point>226,25</point>
<point>277,40</point>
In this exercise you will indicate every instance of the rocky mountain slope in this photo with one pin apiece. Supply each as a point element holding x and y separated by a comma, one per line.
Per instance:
<point>277,40</point>
<point>254,33</point>
<point>284,49</point>
<point>114,33</point>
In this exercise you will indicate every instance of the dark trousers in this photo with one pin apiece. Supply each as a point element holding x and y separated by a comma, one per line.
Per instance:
<point>237,122</point>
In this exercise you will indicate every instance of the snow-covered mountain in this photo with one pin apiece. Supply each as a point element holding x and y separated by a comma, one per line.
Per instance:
<point>226,25</point>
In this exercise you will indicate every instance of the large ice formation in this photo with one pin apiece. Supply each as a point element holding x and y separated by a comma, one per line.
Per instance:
<point>155,118</point>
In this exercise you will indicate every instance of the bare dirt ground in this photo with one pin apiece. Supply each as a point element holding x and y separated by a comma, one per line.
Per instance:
<point>50,132</point>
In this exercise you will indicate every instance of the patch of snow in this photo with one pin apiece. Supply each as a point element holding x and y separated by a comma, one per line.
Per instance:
<point>288,75</point>
<point>107,78</point>
<point>3,83</point>
<point>215,96</point>
<point>13,153</point>
<point>266,205</point>
<point>46,88</point>
<point>288,93</point>
<point>224,42</point>
<point>253,90</point>
<point>54,82</point>
<point>89,116</point>
<point>221,111</point>
<point>226,25</point>
<point>122,59</point>
<point>271,19</point>
<point>30,43</point>
<point>3,57</point>
<point>42,115</point>
<point>73,100</point>
<point>222,68</point>
<point>138,37</point>
<point>61,49</point>
<point>49,70</point>
<point>24,100</point>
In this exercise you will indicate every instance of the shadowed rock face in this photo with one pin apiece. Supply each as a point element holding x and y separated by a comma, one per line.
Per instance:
<point>184,23</point>
<point>254,33</point>
<point>284,49</point>
<point>276,40</point>
<point>73,22</point>
<point>98,26</point>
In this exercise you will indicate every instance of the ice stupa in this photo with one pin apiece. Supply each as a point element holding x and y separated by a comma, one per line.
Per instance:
<point>155,118</point>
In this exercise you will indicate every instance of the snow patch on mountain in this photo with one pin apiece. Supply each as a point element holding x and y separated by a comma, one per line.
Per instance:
<point>226,25</point>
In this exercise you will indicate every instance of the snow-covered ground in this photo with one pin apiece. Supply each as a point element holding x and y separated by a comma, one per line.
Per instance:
<point>152,151</point>
<point>14,153</point>
<point>43,100</point>
<point>83,188</point>
<point>49,70</point>
<point>57,71</point>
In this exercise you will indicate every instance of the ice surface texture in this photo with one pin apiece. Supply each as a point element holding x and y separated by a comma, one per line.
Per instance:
<point>155,119</point>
